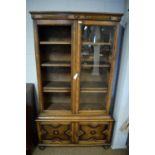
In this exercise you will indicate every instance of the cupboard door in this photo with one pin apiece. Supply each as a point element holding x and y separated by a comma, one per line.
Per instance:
<point>54,64</point>
<point>94,133</point>
<point>54,132</point>
<point>97,41</point>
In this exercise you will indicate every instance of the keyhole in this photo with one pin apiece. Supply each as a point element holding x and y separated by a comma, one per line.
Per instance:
<point>55,132</point>
<point>93,132</point>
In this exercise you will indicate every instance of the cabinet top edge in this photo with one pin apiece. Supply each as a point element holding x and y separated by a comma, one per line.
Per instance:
<point>72,12</point>
<point>76,15</point>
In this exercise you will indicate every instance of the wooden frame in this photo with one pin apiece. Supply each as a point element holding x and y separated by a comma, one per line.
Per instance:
<point>74,119</point>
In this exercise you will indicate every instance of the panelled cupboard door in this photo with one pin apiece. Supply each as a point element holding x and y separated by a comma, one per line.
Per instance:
<point>97,51</point>
<point>55,132</point>
<point>54,43</point>
<point>94,132</point>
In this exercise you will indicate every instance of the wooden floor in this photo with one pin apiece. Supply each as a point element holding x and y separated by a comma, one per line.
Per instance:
<point>79,151</point>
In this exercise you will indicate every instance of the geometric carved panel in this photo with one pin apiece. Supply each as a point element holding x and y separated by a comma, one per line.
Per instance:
<point>56,132</point>
<point>92,132</point>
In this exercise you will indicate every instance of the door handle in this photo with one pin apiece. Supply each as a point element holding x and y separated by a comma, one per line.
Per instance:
<point>75,76</point>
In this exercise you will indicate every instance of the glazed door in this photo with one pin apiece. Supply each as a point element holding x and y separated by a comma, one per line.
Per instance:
<point>96,41</point>
<point>54,48</point>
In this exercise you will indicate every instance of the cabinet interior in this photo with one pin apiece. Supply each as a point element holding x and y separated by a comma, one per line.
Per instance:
<point>55,62</point>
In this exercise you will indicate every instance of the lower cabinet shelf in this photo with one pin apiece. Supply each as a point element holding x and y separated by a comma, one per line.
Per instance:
<point>56,133</point>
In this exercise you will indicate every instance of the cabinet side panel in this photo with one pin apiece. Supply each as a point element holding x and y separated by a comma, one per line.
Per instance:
<point>37,55</point>
<point>110,131</point>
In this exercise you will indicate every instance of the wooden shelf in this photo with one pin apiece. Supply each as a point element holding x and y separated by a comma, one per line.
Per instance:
<point>56,64</point>
<point>59,87</point>
<point>93,87</point>
<point>56,90</point>
<point>97,90</point>
<point>92,65</point>
<point>55,42</point>
<point>96,43</point>
<point>64,87</point>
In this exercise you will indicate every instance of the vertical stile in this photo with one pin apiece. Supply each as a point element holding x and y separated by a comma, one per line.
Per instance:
<point>37,55</point>
<point>111,76</point>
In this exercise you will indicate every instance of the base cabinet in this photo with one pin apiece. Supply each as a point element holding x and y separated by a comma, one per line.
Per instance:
<point>74,133</point>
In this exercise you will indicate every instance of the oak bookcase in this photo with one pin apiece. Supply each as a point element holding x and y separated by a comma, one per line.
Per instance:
<point>75,61</point>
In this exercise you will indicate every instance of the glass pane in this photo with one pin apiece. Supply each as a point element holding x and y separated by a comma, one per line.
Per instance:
<point>96,54</point>
<point>97,33</point>
<point>92,101</point>
<point>54,33</point>
<point>57,101</point>
<point>55,58</point>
